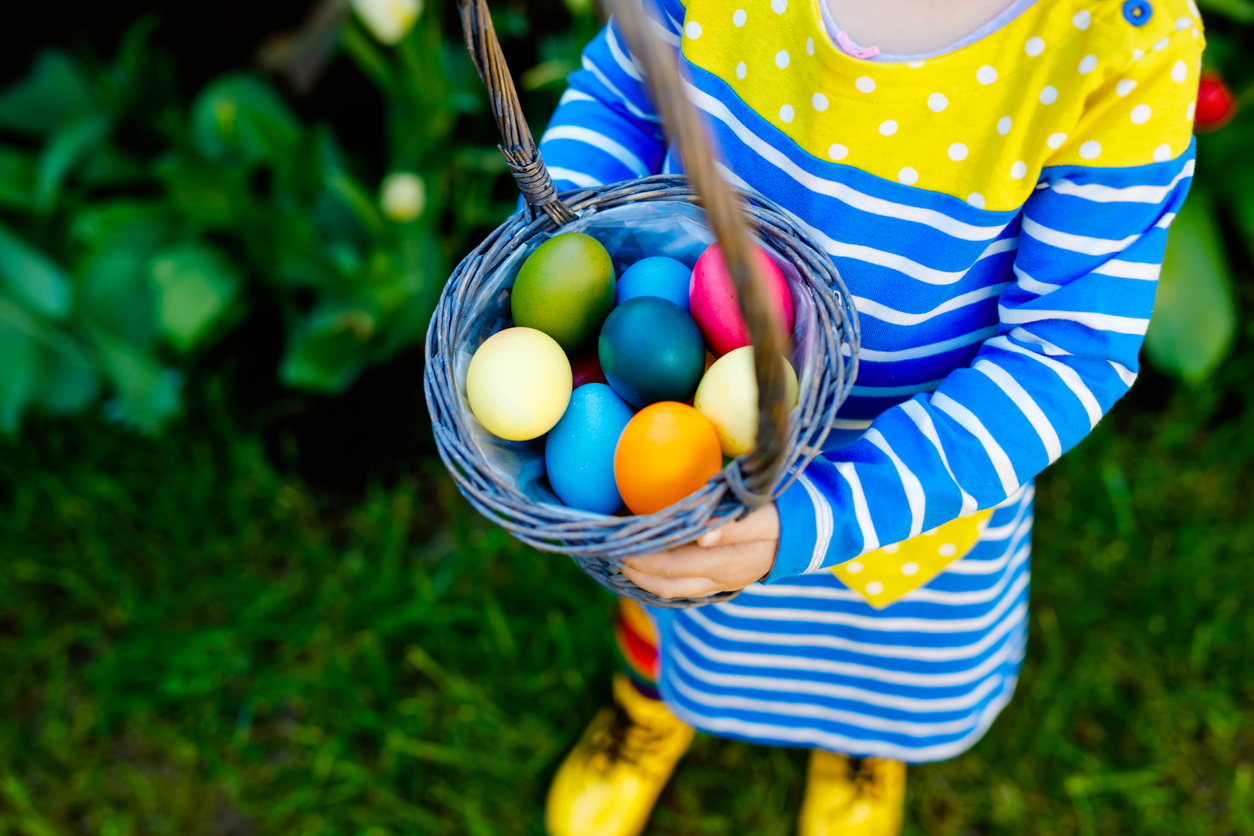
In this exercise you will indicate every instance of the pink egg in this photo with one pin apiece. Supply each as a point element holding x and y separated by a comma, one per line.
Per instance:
<point>713,300</point>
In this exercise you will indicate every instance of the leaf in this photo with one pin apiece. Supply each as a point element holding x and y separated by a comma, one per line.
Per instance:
<point>17,178</point>
<point>68,147</point>
<point>19,369</point>
<point>1194,318</point>
<point>51,97</point>
<point>195,285</point>
<point>1241,11</point>
<point>39,363</point>
<point>206,194</point>
<point>147,394</point>
<point>134,223</point>
<point>34,279</point>
<point>328,349</point>
<point>239,119</point>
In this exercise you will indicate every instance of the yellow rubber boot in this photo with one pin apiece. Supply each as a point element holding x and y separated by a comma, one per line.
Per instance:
<point>609,782</point>
<point>846,797</point>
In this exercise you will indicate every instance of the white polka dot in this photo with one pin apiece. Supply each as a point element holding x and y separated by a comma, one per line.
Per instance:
<point>1034,47</point>
<point>854,568</point>
<point>781,59</point>
<point>1055,141</point>
<point>888,127</point>
<point>910,568</point>
<point>809,46</point>
<point>692,30</point>
<point>1183,23</point>
<point>739,17</point>
<point>1138,54</point>
<point>1193,8</point>
<point>1161,45</point>
<point>1162,153</point>
<point>1196,32</point>
<point>976,199</point>
<point>1141,114</point>
<point>931,532</point>
<point>891,548</point>
<point>740,70</point>
<point>947,550</point>
<point>1091,150</point>
<point>1019,170</point>
<point>1049,95</point>
<point>785,113</point>
<point>1191,111</point>
<point>957,152</point>
<point>986,74</point>
<point>874,588</point>
<point>865,84</point>
<point>837,152</point>
<point>819,101</point>
<point>1004,125</point>
<point>779,6</point>
<point>1179,71</point>
<point>914,65</point>
<point>937,102</point>
<point>907,176</point>
<point>1087,64</point>
<point>1082,19</point>
<point>1124,87</point>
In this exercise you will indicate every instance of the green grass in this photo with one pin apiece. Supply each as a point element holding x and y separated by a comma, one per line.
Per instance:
<point>193,642</point>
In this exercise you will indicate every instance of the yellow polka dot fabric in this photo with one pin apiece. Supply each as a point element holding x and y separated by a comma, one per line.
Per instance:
<point>886,574</point>
<point>1071,82</point>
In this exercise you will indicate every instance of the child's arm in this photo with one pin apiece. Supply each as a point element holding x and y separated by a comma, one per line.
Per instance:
<point>1071,327</point>
<point>605,128</point>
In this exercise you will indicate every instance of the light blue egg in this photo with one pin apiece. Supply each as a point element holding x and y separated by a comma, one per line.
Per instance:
<point>655,276</point>
<point>579,452</point>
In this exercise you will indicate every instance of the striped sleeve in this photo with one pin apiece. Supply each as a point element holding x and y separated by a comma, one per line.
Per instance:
<point>1091,244</point>
<point>605,128</point>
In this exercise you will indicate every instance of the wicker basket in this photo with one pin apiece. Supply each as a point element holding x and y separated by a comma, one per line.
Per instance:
<point>503,480</point>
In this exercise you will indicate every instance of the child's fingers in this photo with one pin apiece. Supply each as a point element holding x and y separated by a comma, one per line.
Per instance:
<point>762,524</point>
<point>679,562</point>
<point>672,587</point>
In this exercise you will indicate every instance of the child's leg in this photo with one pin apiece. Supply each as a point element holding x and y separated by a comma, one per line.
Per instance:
<point>636,640</point>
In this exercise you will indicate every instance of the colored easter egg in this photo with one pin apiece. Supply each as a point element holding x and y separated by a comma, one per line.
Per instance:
<point>728,396</point>
<point>518,383</point>
<point>565,289</point>
<point>713,305</point>
<point>651,351</point>
<point>579,450</point>
<point>667,452</point>
<point>586,368</point>
<point>658,276</point>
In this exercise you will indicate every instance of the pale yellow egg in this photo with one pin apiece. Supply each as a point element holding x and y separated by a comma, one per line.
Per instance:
<point>518,383</point>
<point>728,396</point>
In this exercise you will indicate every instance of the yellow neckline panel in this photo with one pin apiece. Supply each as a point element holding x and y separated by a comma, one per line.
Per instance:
<point>1070,82</point>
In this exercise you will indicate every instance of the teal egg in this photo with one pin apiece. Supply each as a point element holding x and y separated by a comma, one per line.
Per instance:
<point>565,289</point>
<point>579,451</point>
<point>651,351</point>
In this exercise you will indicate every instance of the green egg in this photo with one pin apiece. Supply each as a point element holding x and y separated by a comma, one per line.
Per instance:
<point>565,289</point>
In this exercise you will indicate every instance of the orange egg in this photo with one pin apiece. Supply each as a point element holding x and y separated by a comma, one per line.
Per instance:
<point>667,451</point>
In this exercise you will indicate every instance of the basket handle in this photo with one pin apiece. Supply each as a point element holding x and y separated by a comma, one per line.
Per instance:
<point>724,207</point>
<point>519,148</point>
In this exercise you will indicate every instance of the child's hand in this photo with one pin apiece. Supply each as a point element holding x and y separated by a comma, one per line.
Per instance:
<point>731,556</point>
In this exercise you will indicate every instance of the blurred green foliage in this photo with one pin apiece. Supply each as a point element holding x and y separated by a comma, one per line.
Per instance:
<point>131,226</point>
<point>194,640</point>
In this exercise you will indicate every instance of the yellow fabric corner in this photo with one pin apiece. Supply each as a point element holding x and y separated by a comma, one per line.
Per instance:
<point>1067,82</point>
<point>886,574</point>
